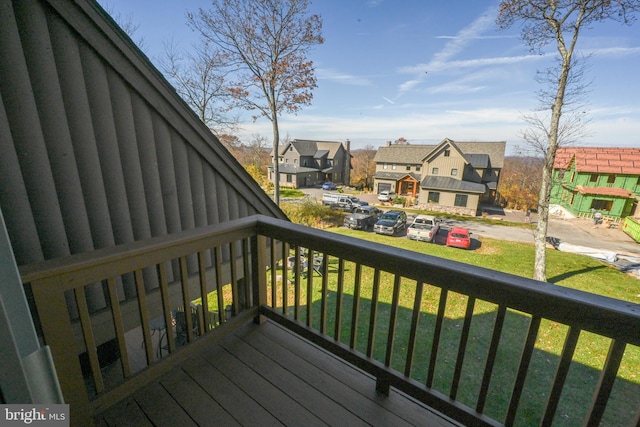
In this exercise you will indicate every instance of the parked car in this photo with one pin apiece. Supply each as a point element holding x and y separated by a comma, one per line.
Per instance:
<point>343,202</point>
<point>362,218</point>
<point>390,223</point>
<point>329,186</point>
<point>458,237</point>
<point>424,228</point>
<point>386,196</point>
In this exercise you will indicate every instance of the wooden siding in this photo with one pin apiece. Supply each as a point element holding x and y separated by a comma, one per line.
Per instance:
<point>97,148</point>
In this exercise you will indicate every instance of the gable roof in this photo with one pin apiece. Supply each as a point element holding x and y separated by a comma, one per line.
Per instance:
<point>310,148</point>
<point>397,153</point>
<point>599,159</point>
<point>97,147</point>
<point>451,184</point>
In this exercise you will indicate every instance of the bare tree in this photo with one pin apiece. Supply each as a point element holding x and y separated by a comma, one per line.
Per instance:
<point>560,21</point>
<point>126,23</point>
<point>266,42</point>
<point>258,151</point>
<point>199,79</point>
<point>401,141</point>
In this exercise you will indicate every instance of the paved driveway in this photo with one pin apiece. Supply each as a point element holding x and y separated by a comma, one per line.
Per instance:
<point>580,232</point>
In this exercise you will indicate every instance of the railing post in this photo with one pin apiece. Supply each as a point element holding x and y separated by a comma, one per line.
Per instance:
<point>58,335</point>
<point>259,264</point>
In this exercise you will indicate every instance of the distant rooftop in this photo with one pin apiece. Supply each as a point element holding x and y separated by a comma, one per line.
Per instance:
<point>599,159</point>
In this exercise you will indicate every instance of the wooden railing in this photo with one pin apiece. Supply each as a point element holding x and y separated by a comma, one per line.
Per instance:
<point>427,326</point>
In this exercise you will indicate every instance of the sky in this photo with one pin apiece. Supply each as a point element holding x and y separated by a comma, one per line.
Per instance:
<point>425,71</point>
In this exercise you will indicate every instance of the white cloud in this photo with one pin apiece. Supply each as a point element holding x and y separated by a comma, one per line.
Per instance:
<point>347,79</point>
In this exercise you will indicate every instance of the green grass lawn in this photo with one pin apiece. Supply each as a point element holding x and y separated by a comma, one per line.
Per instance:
<point>564,269</point>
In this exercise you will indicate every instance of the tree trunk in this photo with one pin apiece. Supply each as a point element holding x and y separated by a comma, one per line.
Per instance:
<point>540,263</point>
<point>276,158</point>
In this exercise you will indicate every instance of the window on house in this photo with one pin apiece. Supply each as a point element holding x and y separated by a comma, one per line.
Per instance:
<point>461,200</point>
<point>611,179</point>
<point>602,205</point>
<point>295,161</point>
<point>417,168</point>
<point>384,166</point>
<point>289,177</point>
<point>408,167</point>
<point>594,177</point>
<point>447,153</point>
<point>454,172</point>
<point>434,171</point>
<point>433,197</point>
<point>393,166</point>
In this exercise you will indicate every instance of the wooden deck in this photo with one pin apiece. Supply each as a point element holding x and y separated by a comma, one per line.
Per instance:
<point>265,375</point>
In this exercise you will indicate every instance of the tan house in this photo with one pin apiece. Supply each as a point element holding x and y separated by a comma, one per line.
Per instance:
<point>451,176</point>
<point>305,163</point>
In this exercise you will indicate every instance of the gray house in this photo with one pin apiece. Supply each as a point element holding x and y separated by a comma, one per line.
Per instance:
<point>304,163</point>
<point>451,176</point>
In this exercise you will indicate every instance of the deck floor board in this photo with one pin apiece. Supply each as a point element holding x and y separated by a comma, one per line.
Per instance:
<point>265,375</point>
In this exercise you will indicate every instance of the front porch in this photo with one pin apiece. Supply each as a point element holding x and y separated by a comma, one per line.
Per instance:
<point>324,349</point>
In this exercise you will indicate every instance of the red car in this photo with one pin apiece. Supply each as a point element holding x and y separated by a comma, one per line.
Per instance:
<point>459,237</point>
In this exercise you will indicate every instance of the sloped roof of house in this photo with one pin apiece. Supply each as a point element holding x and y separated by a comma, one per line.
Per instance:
<point>473,152</point>
<point>310,148</point>
<point>451,184</point>
<point>396,176</point>
<point>605,191</point>
<point>599,159</point>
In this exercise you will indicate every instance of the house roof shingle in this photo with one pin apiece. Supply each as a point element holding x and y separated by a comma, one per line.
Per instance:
<point>484,153</point>
<point>396,176</point>
<point>451,184</point>
<point>311,148</point>
<point>599,159</point>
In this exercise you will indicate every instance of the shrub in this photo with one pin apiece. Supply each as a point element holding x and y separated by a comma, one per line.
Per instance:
<point>399,201</point>
<point>312,214</point>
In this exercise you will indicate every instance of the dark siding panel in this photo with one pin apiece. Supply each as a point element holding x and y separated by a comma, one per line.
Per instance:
<point>14,202</point>
<point>24,122</point>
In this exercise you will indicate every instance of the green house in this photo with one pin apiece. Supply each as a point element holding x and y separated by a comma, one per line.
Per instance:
<point>589,179</point>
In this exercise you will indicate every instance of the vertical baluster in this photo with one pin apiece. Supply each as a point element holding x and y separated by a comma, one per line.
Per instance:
<point>605,383</point>
<point>436,337</point>
<point>355,312</point>
<point>374,313</point>
<point>491,357</point>
<point>144,315</point>
<point>309,286</point>
<point>392,319</point>
<point>415,317</point>
<point>166,306</point>
<point>462,348</point>
<point>285,279</point>
<point>561,375</point>
<point>202,275</point>
<point>116,313</point>
<point>296,278</point>
<point>219,291</point>
<point>324,268</point>
<point>89,339</point>
<point>246,263</point>
<point>235,303</point>
<point>274,276</point>
<point>527,352</point>
<point>339,298</point>
<point>186,301</point>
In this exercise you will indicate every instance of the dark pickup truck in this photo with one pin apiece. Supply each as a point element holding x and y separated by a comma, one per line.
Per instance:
<point>362,218</point>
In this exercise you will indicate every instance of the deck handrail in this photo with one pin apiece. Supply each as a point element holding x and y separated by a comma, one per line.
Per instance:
<point>265,242</point>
